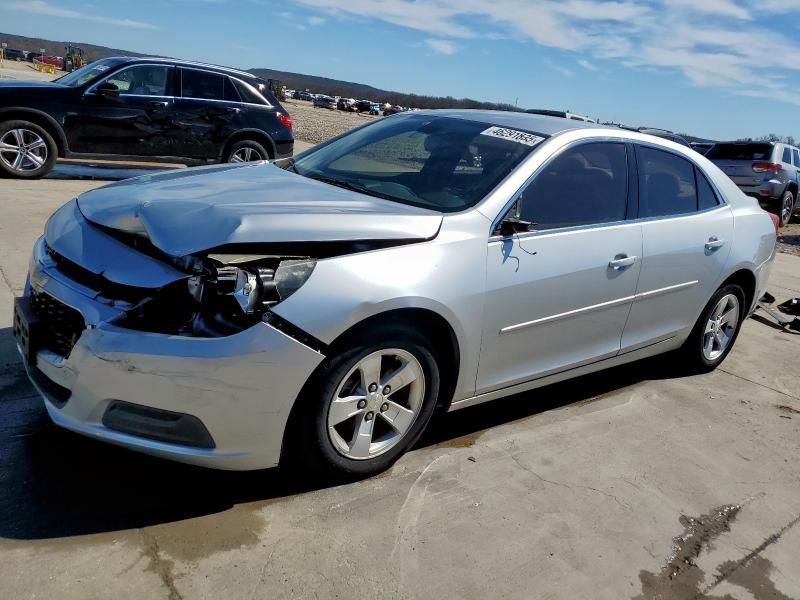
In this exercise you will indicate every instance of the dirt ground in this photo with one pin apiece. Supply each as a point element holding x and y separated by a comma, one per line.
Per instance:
<point>789,238</point>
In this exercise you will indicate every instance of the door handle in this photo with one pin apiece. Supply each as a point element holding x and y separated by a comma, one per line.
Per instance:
<point>621,261</point>
<point>232,109</point>
<point>714,243</point>
<point>158,104</point>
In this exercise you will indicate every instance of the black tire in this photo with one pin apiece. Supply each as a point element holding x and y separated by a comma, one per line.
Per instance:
<point>246,147</point>
<point>785,208</point>
<point>692,351</point>
<point>49,151</point>
<point>312,445</point>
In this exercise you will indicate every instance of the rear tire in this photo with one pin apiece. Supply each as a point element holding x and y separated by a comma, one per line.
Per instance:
<point>27,151</point>
<point>246,151</point>
<point>351,425</point>
<point>716,331</point>
<point>786,208</point>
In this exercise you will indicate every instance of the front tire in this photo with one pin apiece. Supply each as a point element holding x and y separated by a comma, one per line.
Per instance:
<point>717,329</point>
<point>368,404</point>
<point>26,150</point>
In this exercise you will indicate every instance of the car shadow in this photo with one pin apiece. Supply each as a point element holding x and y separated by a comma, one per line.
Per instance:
<point>55,484</point>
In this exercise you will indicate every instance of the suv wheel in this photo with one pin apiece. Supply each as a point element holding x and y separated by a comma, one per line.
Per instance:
<point>26,150</point>
<point>246,151</point>
<point>716,330</point>
<point>369,404</point>
<point>787,208</point>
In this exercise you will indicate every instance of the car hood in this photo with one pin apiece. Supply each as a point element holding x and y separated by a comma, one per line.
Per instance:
<point>191,210</point>
<point>19,84</point>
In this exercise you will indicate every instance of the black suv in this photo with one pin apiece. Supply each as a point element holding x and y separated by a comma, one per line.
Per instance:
<point>130,108</point>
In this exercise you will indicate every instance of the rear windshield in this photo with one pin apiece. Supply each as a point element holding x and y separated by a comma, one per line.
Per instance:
<point>740,152</point>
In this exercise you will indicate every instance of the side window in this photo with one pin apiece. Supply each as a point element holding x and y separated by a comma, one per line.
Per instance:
<point>230,93</point>
<point>666,184</point>
<point>202,85</point>
<point>787,155</point>
<point>796,155</point>
<point>584,186</point>
<point>248,93</point>
<point>141,80</point>
<point>705,193</point>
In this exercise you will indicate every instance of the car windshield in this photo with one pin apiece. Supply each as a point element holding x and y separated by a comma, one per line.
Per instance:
<point>84,75</point>
<point>432,161</point>
<point>740,152</point>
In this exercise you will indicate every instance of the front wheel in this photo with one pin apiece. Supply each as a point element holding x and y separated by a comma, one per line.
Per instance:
<point>716,330</point>
<point>369,404</point>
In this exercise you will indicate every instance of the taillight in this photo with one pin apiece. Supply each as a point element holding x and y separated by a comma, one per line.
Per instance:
<point>765,167</point>
<point>285,120</point>
<point>775,221</point>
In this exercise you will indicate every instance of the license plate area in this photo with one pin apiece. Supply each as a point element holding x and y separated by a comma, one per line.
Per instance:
<point>27,329</point>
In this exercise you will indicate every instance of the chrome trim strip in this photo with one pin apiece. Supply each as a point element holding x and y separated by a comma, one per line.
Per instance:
<point>601,306</point>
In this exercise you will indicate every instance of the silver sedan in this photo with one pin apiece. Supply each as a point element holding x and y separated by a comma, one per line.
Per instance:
<point>322,308</point>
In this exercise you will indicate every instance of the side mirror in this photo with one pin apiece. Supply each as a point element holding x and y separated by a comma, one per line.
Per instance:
<point>107,89</point>
<point>513,221</point>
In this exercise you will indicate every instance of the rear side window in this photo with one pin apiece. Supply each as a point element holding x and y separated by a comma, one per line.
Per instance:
<point>202,85</point>
<point>796,155</point>
<point>586,185</point>
<point>248,93</point>
<point>745,151</point>
<point>787,156</point>
<point>667,184</point>
<point>706,197</point>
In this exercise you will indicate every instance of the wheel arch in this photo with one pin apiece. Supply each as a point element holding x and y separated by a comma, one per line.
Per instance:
<point>745,279</point>
<point>43,120</point>
<point>255,135</point>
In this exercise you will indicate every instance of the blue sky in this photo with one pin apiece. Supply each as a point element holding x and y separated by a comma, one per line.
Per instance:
<point>716,68</point>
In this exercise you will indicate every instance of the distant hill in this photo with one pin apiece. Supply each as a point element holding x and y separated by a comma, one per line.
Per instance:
<point>55,48</point>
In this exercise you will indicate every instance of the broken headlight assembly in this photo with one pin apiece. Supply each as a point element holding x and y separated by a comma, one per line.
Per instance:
<point>227,295</point>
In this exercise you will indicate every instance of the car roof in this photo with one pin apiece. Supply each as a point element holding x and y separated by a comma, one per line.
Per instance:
<point>531,122</point>
<point>187,63</point>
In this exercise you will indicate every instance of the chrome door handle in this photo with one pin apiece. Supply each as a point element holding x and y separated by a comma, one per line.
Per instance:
<point>158,104</point>
<point>621,261</point>
<point>714,243</point>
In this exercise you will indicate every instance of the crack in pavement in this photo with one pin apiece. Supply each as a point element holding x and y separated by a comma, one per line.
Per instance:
<point>766,387</point>
<point>160,565</point>
<point>7,281</point>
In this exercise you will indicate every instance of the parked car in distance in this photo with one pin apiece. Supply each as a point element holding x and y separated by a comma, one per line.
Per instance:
<point>323,101</point>
<point>362,106</point>
<point>13,54</point>
<point>701,147</point>
<point>53,61</point>
<point>767,171</point>
<point>345,104</point>
<point>665,134</point>
<point>392,110</point>
<point>375,109</point>
<point>304,96</point>
<point>177,111</point>
<point>319,309</point>
<point>559,113</point>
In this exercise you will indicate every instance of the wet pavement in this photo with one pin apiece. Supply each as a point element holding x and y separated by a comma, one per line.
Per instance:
<point>640,482</point>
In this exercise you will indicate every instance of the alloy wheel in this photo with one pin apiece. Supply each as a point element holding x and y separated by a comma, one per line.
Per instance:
<point>787,208</point>
<point>721,327</point>
<point>23,150</point>
<point>246,154</point>
<point>376,404</point>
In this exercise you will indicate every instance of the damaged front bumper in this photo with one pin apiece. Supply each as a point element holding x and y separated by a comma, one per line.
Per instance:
<point>238,389</point>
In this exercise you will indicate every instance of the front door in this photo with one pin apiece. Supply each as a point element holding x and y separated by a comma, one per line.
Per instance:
<point>129,113</point>
<point>558,296</point>
<point>687,234</point>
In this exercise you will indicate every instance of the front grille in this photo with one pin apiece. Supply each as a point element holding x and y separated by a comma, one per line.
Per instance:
<point>61,325</point>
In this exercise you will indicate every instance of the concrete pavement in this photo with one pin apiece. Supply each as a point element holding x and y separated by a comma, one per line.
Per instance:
<point>572,491</point>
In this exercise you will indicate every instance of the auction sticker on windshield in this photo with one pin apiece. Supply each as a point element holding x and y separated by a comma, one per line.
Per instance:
<point>513,135</point>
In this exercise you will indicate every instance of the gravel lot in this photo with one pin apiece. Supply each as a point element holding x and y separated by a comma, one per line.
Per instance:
<point>789,239</point>
<point>315,125</point>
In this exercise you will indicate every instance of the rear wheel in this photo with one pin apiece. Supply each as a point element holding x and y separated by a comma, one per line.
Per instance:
<point>246,151</point>
<point>786,208</point>
<point>716,330</point>
<point>369,404</point>
<point>26,150</point>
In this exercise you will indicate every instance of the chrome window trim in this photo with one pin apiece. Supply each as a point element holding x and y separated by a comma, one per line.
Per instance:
<point>595,307</point>
<point>125,67</point>
<point>723,202</point>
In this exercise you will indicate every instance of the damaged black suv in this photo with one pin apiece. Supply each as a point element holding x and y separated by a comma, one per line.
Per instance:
<point>133,108</point>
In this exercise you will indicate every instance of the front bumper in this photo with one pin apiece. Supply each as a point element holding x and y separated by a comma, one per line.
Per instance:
<point>241,387</point>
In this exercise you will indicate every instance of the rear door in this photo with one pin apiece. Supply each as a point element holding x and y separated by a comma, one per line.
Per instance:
<point>207,112</point>
<point>687,234</point>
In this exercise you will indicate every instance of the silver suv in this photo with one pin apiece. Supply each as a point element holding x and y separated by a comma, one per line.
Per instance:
<point>768,171</point>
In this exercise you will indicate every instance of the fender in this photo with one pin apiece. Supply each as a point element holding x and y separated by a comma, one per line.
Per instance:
<point>62,142</point>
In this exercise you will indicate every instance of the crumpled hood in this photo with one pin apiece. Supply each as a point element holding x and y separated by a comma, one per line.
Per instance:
<point>189,210</point>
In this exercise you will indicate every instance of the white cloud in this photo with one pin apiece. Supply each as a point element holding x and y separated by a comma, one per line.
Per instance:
<point>713,43</point>
<point>587,65</point>
<point>41,7</point>
<point>315,20</point>
<point>442,46</point>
